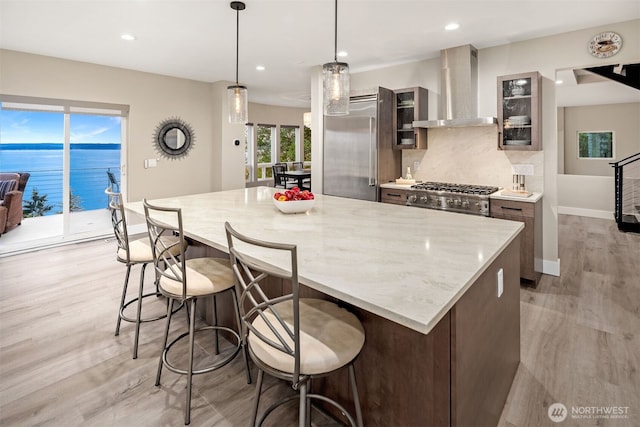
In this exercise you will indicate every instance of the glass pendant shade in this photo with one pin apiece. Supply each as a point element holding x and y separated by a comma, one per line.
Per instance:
<point>237,100</point>
<point>335,76</point>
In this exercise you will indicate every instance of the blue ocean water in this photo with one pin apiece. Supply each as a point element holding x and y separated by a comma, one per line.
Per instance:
<point>88,177</point>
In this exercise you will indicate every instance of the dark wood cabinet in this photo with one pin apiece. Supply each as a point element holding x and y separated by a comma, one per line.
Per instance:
<point>411,104</point>
<point>391,195</point>
<point>531,242</point>
<point>519,111</point>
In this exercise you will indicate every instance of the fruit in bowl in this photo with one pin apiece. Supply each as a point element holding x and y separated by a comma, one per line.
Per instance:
<point>294,200</point>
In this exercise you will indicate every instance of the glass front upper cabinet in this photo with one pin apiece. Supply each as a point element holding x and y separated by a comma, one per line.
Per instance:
<point>519,111</point>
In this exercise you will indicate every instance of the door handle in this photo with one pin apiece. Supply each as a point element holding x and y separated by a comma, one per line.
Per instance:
<point>372,166</point>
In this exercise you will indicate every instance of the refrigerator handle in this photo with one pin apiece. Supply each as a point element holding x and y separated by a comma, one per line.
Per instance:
<point>372,161</point>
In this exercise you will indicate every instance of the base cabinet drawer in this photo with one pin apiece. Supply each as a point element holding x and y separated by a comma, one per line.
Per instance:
<point>531,241</point>
<point>391,195</point>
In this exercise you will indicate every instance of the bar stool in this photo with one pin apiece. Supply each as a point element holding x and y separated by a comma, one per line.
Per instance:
<point>187,281</point>
<point>130,253</point>
<point>291,338</point>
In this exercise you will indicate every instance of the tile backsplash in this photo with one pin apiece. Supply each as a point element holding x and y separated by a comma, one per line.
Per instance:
<point>470,156</point>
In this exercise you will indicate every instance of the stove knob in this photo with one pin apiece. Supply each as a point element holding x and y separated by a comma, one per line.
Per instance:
<point>412,198</point>
<point>458,202</point>
<point>449,202</point>
<point>465,204</point>
<point>439,202</point>
<point>424,199</point>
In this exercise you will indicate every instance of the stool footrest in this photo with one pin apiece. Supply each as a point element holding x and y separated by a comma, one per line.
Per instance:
<point>211,368</point>
<point>146,319</point>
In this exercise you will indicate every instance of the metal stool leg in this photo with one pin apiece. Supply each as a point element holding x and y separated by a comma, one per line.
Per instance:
<point>302,415</point>
<point>245,350</point>
<point>256,399</point>
<point>124,296</point>
<point>215,323</point>
<point>356,397</point>
<point>192,333</point>
<point>139,313</point>
<point>166,337</point>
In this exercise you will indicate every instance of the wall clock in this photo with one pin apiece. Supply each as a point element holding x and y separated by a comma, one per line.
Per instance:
<point>605,44</point>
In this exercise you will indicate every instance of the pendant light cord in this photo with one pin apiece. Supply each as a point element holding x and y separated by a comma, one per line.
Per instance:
<point>335,33</point>
<point>238,41</point>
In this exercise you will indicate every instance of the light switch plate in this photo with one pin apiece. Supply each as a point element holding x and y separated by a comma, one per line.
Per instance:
<point>522,169</point>
<point>500,289</point>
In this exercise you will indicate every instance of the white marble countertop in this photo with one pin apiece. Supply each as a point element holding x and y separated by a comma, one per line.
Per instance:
<point>409,266</point>
<point>534,197</point>
<point>396,186</point>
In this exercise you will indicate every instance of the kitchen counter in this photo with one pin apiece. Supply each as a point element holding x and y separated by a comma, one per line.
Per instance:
<point>371,255</point>
<point>442,335</point>
<point>395,186</point>
<point>534,197</point>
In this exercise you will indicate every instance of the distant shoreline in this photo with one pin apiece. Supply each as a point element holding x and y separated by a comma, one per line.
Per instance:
<point>56,146</point>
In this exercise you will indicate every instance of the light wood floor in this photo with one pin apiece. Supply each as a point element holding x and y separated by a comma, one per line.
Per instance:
<point>60,364</point>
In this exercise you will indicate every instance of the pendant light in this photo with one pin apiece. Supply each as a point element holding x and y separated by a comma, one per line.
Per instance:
<point>237,95</point>
<point>335,76</point>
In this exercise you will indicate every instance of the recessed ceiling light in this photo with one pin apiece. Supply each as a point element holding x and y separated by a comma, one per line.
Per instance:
<point>452,26</point>
<point>260,67</point>
<point>559,82</point>
<point>342,54</point>
<point>128,37</point>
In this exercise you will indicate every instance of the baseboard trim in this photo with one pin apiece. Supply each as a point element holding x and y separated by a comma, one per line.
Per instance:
<point>548,267</point>
<point>591,213</point>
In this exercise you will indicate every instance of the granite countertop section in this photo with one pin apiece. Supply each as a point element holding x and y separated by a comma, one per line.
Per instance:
<point>534,197</point>
<point>409,266</point>
<point>396,186</point>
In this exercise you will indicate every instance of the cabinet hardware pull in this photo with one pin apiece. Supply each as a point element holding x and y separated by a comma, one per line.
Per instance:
<point>511,209</point>
<point>394,195</point>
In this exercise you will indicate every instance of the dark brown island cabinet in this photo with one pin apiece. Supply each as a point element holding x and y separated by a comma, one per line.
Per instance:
<point>530,213</point>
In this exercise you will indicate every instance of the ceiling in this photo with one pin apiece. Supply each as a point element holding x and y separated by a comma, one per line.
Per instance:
<point>195,39</point>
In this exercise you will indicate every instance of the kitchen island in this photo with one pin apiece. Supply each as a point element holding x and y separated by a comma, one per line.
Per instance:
<point>441,347</point>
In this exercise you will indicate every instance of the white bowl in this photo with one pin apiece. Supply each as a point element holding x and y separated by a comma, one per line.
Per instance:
<point>294,206</point>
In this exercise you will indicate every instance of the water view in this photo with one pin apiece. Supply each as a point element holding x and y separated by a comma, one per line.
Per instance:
<point>88,176</point>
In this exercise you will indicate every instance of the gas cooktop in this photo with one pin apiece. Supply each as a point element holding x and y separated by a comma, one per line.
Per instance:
<point>482,190</point>
<point>462,198</point>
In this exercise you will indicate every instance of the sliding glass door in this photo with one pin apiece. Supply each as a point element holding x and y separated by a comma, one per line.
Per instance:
<point>72,152</point>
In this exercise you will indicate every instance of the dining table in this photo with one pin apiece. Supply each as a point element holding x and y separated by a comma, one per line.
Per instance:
<point>300,176</point>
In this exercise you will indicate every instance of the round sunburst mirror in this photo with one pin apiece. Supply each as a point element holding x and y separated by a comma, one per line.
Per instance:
<point>174,138</point>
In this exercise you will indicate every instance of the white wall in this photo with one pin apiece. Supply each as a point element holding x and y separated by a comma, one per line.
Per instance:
<point>622,119</point>
<point>576,196</point>
<point>152,98</point>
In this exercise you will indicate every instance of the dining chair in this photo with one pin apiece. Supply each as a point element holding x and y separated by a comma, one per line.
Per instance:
<point>297,166</point>
<point>187,281</point>
<point>130,253</point>
<point>291,338</point>
<point>279,180</point>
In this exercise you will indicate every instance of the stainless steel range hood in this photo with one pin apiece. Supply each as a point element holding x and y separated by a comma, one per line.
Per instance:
<point>459,90</point>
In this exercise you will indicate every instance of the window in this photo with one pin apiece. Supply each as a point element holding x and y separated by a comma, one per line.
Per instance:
<point>288,138</point>
<point>269,144</point>
<point>307,144</point>
<point>595,145</point>
<point>265,145</point>
<point>249,158</point>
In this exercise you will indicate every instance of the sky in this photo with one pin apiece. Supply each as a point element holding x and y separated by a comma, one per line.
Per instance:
<point>40,127</point>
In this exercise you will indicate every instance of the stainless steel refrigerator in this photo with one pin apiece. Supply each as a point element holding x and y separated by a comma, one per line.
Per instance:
<point>358,148</point>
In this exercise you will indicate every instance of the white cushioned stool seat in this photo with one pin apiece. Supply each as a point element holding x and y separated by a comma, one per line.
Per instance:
<point>330,337</point>
<point>205,276</point>
<point>140,250</point>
